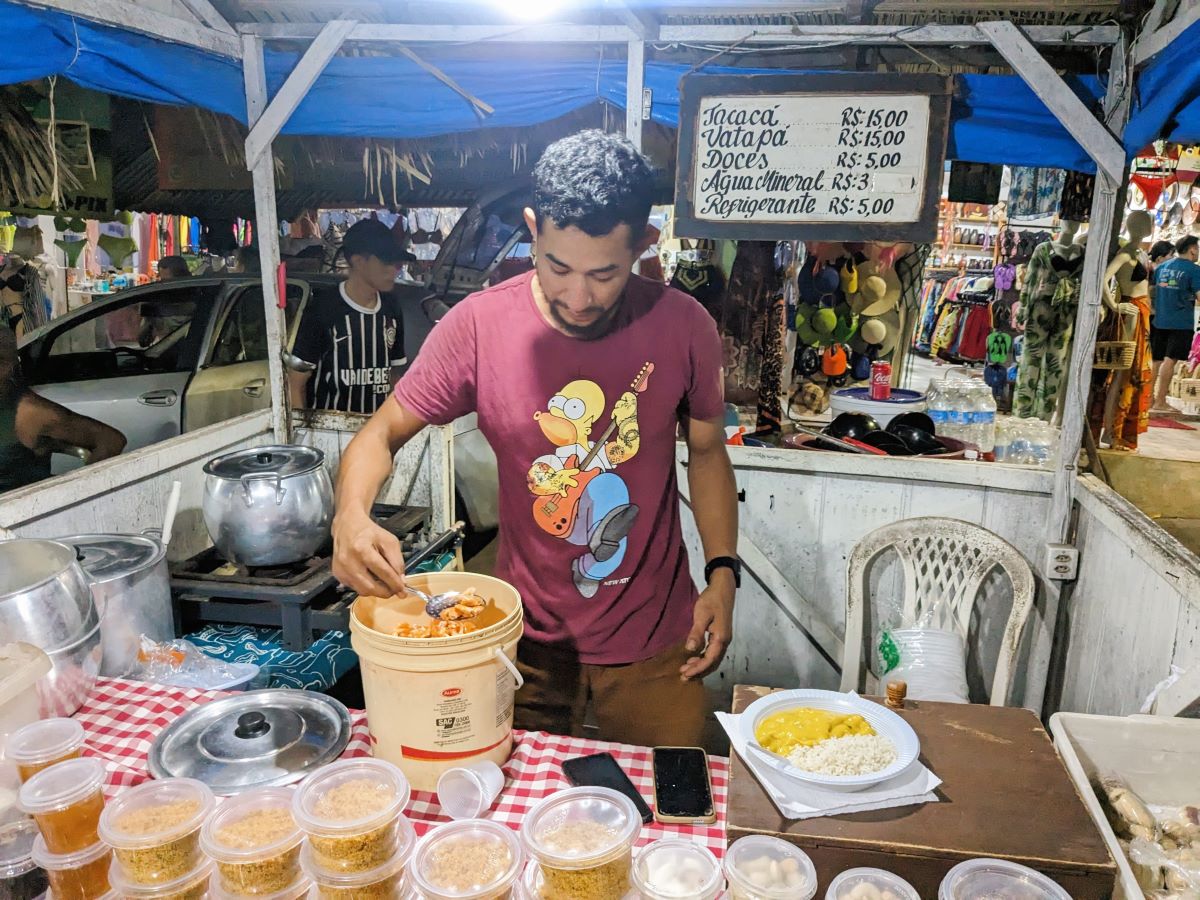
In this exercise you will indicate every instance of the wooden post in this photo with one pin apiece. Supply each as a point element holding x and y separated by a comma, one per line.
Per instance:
<point>266,232</point>
<point>635,79</point>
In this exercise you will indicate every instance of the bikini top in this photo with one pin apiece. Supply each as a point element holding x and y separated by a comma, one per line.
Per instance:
<point>1139,273</point>
<point>15,282</point>
<point>1066,267</point>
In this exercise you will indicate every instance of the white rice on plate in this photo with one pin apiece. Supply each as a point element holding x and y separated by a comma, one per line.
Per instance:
<point>856,754</point>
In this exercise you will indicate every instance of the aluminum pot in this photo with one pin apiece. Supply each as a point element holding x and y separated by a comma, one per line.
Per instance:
<point>268,506</point>
<point>45,600</point>
<point>131,587</point>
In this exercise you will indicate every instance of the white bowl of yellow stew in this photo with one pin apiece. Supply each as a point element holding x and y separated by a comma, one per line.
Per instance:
<point>837,741</point>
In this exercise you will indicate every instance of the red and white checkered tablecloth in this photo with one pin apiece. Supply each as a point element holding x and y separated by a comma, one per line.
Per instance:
<point>122,718</point>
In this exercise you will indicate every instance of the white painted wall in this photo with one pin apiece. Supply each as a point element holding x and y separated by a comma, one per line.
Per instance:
<point>1134,611</point>
<point>806,512</point>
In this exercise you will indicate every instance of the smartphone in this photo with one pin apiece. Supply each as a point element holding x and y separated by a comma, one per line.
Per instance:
<point>682,786</point>
<point>601,770</point>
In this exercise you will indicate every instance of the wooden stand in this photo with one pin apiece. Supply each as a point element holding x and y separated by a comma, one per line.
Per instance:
<point>1004,794</point>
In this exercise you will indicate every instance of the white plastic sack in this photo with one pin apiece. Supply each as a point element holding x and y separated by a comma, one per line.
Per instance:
<point>932,661</point>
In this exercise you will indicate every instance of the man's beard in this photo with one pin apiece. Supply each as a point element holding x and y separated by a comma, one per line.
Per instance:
<point>596,330</point>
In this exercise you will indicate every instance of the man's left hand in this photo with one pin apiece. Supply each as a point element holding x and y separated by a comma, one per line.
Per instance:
<point>712,627</point>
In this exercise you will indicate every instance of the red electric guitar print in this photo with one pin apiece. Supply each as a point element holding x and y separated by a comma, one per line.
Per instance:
<point>581,403</point>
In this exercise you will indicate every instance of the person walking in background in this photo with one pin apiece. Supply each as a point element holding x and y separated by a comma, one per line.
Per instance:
<point>1176,293</point>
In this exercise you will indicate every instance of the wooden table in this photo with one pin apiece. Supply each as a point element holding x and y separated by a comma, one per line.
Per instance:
<point>1004,794</point>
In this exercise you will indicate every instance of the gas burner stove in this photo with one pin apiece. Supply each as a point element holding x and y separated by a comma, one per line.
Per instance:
<point>302,598</point>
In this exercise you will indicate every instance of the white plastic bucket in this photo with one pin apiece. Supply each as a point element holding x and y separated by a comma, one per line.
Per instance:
<point>437,703</point>
<point>883,411</point>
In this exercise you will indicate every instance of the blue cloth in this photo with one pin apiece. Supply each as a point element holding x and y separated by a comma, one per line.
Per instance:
<point>1176,283</point>
<point>314,669</point>
<point>1168,95</point>
<point>995,118</point>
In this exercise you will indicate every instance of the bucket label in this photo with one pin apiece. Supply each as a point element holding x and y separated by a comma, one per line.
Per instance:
<point>452,720</point>
<point>505,694</point>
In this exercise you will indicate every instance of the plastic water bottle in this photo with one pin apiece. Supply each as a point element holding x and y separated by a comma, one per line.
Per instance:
<point>983,412</point>
<point>960,428</point>
<point>937,408</point>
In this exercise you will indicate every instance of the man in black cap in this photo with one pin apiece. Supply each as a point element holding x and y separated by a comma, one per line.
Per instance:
<point>350,346</point>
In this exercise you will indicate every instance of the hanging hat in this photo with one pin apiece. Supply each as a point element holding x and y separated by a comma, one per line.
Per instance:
<point>891,322</point>
<point>879,304</point>
<point>873,331</point>
<point>872,291</point>
<point>809,363</point>
<point>849,276</point>
<point>828,280</point>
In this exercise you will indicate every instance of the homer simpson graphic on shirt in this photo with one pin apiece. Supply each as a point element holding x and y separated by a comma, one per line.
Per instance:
<point>578,495</point>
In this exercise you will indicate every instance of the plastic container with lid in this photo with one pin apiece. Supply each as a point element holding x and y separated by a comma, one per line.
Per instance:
<point>192,886</point>
<point>582,839</point>
<point>677,869</point>
<point>977,879</point>
<point>255,841</point>
<point>760,867</point>
<point>20,877</point>
<point>471,859</point>
<point>301,889</point>
<point>82,875</point>
<point>42,744</point>
<point>351,812</point>
<point>154,829</point>
<point>66,800</point>
<point>870,884</point>
<point>383,883</point>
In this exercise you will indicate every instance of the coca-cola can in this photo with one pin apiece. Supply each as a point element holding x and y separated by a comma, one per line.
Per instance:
<point>881,380</point>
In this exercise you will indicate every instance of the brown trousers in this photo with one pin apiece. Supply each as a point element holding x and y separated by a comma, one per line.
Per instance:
<point>643,703</point>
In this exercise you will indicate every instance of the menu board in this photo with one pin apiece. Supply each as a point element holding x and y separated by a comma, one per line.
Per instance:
<point>840,157</point>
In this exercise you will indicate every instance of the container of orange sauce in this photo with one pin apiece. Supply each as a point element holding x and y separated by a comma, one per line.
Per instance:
<point>42,744</point>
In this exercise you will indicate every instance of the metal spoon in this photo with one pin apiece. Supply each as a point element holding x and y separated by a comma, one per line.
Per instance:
<point>436,604</point>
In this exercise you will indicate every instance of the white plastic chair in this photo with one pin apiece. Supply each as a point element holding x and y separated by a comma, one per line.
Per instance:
<point>943,560</point>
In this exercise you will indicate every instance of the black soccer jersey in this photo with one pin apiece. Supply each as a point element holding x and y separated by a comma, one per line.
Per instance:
<point>353,348</point>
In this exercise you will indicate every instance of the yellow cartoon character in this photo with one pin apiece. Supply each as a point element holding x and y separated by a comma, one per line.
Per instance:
<point>578,496</point>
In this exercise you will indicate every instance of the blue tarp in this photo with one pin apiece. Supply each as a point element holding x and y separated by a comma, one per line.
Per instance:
<point>995,118</point>
<point>1168,95</point>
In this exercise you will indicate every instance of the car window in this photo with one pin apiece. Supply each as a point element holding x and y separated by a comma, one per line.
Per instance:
<point>243,335</point>
<point>151,334</point>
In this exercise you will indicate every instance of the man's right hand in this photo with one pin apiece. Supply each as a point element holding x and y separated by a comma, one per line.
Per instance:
<point>366,557</point>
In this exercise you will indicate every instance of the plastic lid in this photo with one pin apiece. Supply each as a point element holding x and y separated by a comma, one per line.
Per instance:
<point>106,557</point>
<point>300,888</point>
<point>348,881</point>
<point>253,826</point>
<point>278,461</point>
<point>843,885</point>
<point>156,813</point>
<point>981,878</point>
<point>609,825</point>
<point>769,868</point>
<point>16,848</point>
<point>67,862</point>
<point>353,796</point>
<point>670,869</point>
<point>469,858</point>
<point>44,741</point>
<point>133,891</point>
<point>61,786</point>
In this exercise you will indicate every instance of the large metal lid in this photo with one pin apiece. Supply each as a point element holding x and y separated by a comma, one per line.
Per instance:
<point>256,739</point>
<point>107,557</point>
<point>277,461</point>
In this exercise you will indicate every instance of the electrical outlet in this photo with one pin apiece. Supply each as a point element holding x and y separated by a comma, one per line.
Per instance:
<point>1062,562</point>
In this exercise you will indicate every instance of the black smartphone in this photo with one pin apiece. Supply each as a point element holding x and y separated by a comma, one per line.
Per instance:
<point>682,786</point>
<point>601,770</point>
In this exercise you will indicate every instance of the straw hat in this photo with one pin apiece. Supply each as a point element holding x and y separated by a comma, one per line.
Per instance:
<point>873,301</point>
<point>873,331</point>
<point>889,322</point>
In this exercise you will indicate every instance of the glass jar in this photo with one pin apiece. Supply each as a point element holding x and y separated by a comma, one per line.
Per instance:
<point>66,801</point>
<point>154,829</point>
<point>42,744</point>
<point>582,839</point>
<point>471,859</point>
<point>255,842</point>
<point>760,867</point>
<point>351,812</point>
<point>858,884</point>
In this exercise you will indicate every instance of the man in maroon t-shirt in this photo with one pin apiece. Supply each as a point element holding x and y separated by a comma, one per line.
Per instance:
<point>581,375</point>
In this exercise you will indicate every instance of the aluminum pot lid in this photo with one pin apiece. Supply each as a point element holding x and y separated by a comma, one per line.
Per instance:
<point>256,739</point>
<point>108,557</point>
<point>278,461</point>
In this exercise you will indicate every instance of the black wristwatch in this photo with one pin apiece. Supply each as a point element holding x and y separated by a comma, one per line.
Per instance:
<point>724,562</point>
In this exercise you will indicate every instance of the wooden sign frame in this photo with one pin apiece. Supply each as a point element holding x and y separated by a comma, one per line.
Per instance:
<point>696,88</point>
